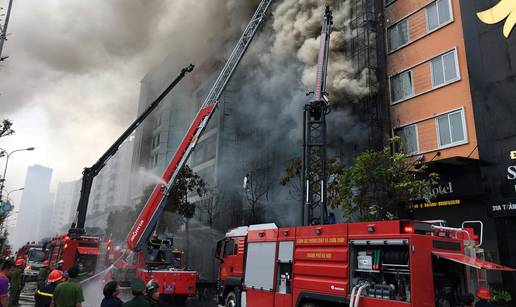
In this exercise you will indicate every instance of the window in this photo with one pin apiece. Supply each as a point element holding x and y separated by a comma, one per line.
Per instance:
<point>444,69</point>
<point>408,137</point>
<point>451,128</point>
<point>155,160</point>
<point>437,14</point>
<point>401,86</point>
<point>229,248</point>
<point>398,35</point>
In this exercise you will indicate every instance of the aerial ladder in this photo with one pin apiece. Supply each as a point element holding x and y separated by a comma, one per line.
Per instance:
<point>77,246</point>
<point>147,220</point>
<point>314,174</point>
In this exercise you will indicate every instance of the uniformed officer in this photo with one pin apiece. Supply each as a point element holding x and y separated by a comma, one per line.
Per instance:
<point>137,288</point>
<point>44,294</point>
<point>43,274</point>
<point>69,293</point>
<point>16,285</point>
<point>152,293</point>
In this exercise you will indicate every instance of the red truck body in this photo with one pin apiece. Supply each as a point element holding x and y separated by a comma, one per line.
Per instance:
<point>395,263</point>
<point>75,249</point>
<point>174,280</point>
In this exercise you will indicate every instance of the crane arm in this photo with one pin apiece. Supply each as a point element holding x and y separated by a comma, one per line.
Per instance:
<point>89,173</point>
<point>149,217</point>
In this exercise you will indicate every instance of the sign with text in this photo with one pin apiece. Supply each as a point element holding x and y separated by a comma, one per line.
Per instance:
<point>504,202</point>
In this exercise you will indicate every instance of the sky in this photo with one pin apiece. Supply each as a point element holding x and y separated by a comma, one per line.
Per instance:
<point>71,82</point>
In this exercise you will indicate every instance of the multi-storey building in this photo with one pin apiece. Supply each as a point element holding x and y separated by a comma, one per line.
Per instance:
<point>110,190</point>
<point>65,204</point>
<point>451,89</point>
<point>34,204</point>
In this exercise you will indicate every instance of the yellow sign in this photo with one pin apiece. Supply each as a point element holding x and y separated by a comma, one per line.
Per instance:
<point>504,9</point>
<point>442,203</point>
<point>513,155</point>
<point>320,240</point>
<point>318,255</point>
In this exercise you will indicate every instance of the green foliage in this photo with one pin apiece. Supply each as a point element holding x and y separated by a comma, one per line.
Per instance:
<point>186,182</point>
<point>5,128</point>
<point>380,184</point>
<point>500,297</point>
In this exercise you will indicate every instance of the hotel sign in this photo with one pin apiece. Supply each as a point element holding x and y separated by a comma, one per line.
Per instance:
<point>507,206</point>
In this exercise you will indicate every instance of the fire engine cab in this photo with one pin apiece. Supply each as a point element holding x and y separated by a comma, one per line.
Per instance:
<point>388,263</point>
<point>75,249</point>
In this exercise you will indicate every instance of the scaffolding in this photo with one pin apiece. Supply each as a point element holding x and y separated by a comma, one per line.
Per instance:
<point>367,53</point>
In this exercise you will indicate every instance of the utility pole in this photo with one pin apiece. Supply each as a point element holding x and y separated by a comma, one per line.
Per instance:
<point>3,36</point>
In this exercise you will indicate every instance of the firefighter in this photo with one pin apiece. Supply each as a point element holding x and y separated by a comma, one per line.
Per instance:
<point>43,274</point>
<point>155,241</point>
<point>45,294</point>
<point>484,295</point>
<point>16,284</point>
<point>137,289</point>
<point>152,293</point>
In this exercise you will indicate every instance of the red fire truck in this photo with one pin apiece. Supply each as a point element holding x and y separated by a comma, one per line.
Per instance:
<point>390,263</point>
<point>75,249</point>
<point>167,265</point>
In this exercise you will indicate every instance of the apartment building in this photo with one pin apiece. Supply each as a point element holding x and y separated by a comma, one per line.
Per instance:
<point>451,90</point>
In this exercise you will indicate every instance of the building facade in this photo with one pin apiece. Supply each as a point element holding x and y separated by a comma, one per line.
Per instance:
<point>451,91</point>
<point>65,204</point>
<point>35,206</point>
<point>110,190</point>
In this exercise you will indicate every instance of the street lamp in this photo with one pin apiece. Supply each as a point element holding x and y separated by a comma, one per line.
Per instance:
<point>9,193</point>
<point>7,163</point>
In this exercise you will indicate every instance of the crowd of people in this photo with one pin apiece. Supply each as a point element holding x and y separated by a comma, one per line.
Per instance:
<point>58,288</point>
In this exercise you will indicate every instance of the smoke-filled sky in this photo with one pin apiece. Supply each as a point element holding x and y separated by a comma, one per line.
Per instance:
<point>71,82</point>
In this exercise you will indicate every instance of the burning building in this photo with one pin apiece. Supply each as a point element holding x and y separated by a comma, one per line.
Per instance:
<point>258,126</point>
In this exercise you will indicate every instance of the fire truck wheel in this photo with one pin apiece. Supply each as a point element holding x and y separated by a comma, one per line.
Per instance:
<point>233,299</point>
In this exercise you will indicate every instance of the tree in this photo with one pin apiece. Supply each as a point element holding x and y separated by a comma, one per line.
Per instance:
<point>119,223</point>
<point>292,179</point>
<point>210,206</point>
<point>5,128</point>
<point>257,184</point>
<point>381,184</point>
<point>187,182</point>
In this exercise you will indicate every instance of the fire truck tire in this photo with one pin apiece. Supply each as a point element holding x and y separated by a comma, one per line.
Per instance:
<point>233,299</point>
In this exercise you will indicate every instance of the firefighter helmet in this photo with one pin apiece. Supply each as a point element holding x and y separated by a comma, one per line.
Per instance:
<point>46,264</point>
<point>55,276</point>
<point>483,293</point>
<point>20,262</point>
<point>151,287</point>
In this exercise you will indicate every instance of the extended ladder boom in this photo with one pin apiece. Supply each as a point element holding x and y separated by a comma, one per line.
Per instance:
<point>148,218</point>
<point>314,136</point>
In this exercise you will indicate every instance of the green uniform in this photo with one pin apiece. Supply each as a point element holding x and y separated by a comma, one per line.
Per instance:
<point>15,286</point>
<point>68,294</point>
<point>42,277</point>
<point>137,301</point>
